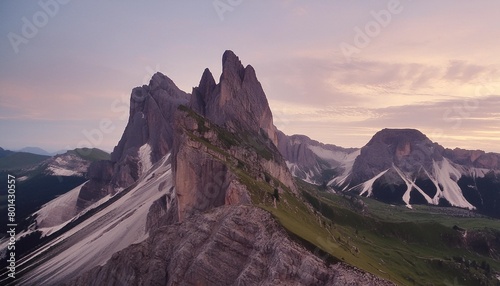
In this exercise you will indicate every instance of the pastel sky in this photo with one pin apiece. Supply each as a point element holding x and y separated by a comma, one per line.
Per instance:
<point>337,71</point>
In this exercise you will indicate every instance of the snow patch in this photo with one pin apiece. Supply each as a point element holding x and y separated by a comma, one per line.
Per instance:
<point>446,175</point>
<point>347,165</point>
<point>299,173</point>
<point>96,237</point>
<point>326,154</point>
<point>58,171</point>
<point>23,178</point>
<point>368,185</point>
<point>145,158</point>
<point>58,210</point>
<point>410,184</point>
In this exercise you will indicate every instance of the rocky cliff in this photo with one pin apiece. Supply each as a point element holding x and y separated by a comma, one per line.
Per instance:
<point>232,245</point>
<point>237,102</point>
<point>177,202</point>
<point>209,162</point>
<point>148,137</point>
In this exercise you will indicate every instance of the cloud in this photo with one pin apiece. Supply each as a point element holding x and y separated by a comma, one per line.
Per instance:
<point>464,72</point>
<point>468,123</point>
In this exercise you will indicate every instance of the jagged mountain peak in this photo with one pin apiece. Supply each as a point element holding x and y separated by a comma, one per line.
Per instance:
<point>207,81</point>
<point>237,102</point>
<point>231,66</point>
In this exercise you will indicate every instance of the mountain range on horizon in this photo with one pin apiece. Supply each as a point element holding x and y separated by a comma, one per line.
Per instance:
<point>203,189</point>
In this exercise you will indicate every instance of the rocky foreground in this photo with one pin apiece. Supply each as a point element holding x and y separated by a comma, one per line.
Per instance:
<point>230,245</point>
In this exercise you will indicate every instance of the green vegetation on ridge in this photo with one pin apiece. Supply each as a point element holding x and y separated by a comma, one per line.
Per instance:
<point>92,155</point>
<point>20,160</point>
<point>408,247</point>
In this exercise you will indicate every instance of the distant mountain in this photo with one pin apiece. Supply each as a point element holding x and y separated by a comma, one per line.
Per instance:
<point>35,150</point>
<point>402,166</point>
<point>312,161</point>
<point>40,179</point>
<point>5,153</point>
<point>19,160</point>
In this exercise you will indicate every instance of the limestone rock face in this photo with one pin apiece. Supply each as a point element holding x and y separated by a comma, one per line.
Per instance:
<point>238,102</point>
<point>474,158</point>
<point>237,194</point>
<point>231,245</point>
<point>152,109</point>
<point>205,158</point>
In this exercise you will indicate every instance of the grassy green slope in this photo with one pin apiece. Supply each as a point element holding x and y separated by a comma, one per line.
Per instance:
<point>408,248</point>
<point>20,160</point>
<point>92,155</point>
<point>405,250</point>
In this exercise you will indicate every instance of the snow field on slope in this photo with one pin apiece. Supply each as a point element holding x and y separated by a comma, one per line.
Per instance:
<point>410,184</point>
<point>58,210</point>
<point>451,191</point>
<point>144,154</point>
<point>114,228</point>
<point>347,165</point>
<point>58,171</point>
<point>368,185</point>
<point>326,154</point>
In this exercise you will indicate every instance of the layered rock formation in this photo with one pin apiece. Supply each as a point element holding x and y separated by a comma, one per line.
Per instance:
<point>233,245</point>
<point>208,161</point>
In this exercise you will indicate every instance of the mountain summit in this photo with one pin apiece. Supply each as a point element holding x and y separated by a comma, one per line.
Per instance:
<point>200,191</point>
<point>237,102</point>
<point>188,185</point>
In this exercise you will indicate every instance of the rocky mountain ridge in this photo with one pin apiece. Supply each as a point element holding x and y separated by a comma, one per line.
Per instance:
<point>183,159</point>
<point>314,161</point>
<point>403,166</point>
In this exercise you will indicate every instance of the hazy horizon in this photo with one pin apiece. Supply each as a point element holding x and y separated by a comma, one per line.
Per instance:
<point>337,72</point>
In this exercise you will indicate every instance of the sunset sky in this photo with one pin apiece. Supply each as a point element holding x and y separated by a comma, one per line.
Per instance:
<point>337,71</point>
